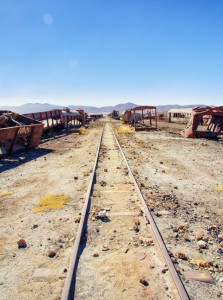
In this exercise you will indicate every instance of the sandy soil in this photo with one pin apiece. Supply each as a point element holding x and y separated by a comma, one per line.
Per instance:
<point>59,166</point>
<point>179,178</point>
<point>115,255</point>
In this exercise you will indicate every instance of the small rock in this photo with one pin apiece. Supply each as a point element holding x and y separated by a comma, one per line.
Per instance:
<point>75,177</point>
<point>136,228</point>
<point>107,208</point>
<point>158,214</point>
<point>77,220</point>
<point>164,270</point>
<point>199,235</point>
<point>220,251</point>
<point>202,276</point>
<point>51,253</point>
<point>181,256</point>
<point>105,248</point>
<point>143,280</point>
<point>102,214</point>
<point>212,227</point>
<point>202,244</point>
<point>22,244</point>
<point>146,241</point>
<point>65,270</point>
<point>174,260</point>
<point>95,255</point>
<point>142,255</point>
<point>215,265</point>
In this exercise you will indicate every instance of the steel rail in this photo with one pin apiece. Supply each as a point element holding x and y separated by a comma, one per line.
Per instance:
<point>73,262</point>
<point>176,279</point>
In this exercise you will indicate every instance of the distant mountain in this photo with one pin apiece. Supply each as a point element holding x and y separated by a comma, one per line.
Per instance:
<point>105,109</point>
<point>31,107</point>
<point>88,109</point>
<point>168,107</point>
<point>37,107</point>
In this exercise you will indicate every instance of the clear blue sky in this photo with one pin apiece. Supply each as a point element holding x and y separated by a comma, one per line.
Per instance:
<point>103,52</point>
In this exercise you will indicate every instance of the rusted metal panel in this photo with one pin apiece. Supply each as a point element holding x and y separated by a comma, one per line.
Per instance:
<point>179,115</point>
<point>126,116</point>
<point>21,137</point>
<point>36,136</point>
<point>143,118</point>
<point>58,118</point>
<point>211,117</point>
<point>50,119</point>
<point>163,116</point>
<point>143,107</point>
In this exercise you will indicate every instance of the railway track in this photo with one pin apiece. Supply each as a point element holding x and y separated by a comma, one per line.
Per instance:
<point>119,252</point>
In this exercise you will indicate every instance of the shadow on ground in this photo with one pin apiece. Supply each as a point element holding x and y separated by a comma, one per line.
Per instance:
<point>16,160</point>
<point>54,135</point>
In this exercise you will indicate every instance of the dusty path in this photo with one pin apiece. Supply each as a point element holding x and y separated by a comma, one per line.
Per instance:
<point>178,178</point>
<point>60,166</point>
<point>119,251</point>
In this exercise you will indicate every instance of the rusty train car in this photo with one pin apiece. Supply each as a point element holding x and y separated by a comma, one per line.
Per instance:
<point>211,117</point>
<point>18,133</point>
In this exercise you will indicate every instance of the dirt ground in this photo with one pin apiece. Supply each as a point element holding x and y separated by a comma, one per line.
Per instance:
<point>58,166</point>
<point>119,251</point>
<point>178,178</point>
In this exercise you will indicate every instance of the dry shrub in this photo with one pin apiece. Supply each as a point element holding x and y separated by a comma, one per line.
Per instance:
<point>219,188</point>
<point>82,130</point>
<point>49,202</point>
<point>3,194</point>
<point>124,129</point>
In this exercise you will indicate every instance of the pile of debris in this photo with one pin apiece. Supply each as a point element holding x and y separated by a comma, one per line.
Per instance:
<point>214,117</point>
<point>8,119</point>
<point>18,133</point>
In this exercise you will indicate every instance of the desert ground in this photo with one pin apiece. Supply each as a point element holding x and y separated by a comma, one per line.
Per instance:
<point>180,178</point>
<point>60,166</point>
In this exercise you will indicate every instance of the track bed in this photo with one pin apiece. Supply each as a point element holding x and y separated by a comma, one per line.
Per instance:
<point>119,259</point>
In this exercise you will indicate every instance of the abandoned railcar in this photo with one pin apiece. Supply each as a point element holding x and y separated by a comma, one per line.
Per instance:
<point>179,115</point>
